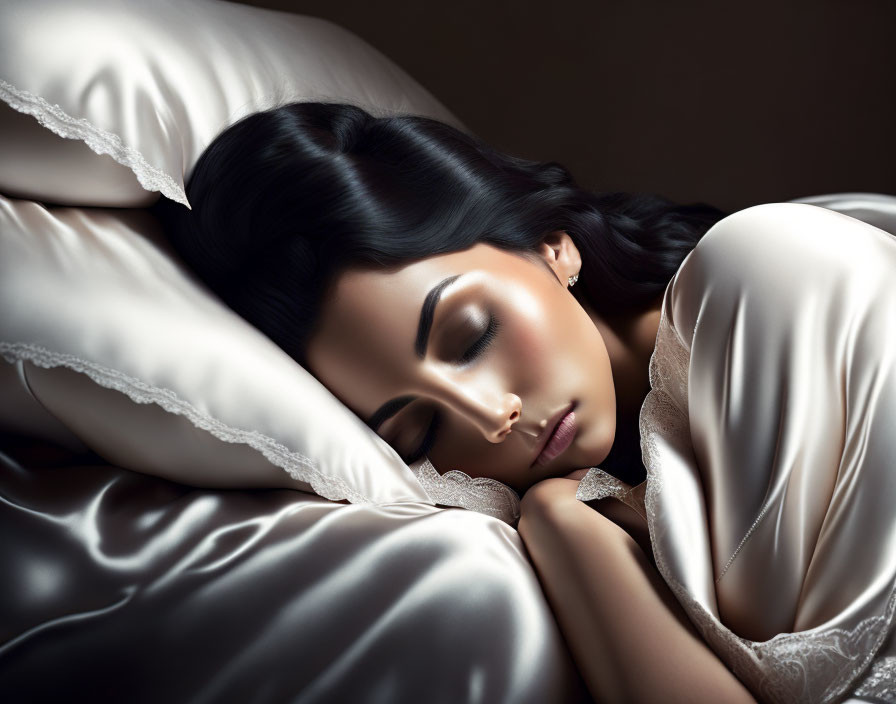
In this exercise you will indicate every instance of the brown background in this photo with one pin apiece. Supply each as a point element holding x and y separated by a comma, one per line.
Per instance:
<point>730,103</point>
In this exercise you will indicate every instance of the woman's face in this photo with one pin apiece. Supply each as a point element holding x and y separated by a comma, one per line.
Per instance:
<point>473,358</point>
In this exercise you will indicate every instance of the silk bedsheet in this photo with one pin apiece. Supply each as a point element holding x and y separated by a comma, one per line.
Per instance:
<point>123,587</point>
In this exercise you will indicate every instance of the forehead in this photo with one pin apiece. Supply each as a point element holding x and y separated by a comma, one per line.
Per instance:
<point>386,302</point>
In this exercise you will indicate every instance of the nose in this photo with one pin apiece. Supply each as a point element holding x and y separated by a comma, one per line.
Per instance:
<point>492,412</point>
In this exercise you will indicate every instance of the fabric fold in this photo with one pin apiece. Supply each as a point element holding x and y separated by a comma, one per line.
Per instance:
<point>768,441</point>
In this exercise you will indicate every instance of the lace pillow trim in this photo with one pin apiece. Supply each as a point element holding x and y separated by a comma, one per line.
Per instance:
<point>55,119</point>
<point>298,466</point>
<point>810,666</point>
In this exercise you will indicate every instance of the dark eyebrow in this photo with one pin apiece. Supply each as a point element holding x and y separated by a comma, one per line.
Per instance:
<point>427,313</point>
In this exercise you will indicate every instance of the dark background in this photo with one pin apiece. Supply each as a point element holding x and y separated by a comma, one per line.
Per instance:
<point>728,103</point>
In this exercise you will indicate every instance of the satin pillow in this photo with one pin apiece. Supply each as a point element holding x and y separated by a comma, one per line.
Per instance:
<point>140,89</point>
<point>151,371</point>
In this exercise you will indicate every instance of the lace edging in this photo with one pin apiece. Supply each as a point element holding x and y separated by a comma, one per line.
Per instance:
<point>791,667</point>
<point>55,119</point>
<point>880,681</point>
<point>598,484</point>
<point>456,488</point>
<point>298,466</point>
<point>806,666</point>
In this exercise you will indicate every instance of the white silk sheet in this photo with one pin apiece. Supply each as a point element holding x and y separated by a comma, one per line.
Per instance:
<point>122,587</point>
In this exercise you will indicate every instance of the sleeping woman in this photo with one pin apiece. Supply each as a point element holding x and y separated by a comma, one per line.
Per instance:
<point>698,409</point>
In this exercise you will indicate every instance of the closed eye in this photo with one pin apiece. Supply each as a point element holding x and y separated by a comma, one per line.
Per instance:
<point>478,347</point>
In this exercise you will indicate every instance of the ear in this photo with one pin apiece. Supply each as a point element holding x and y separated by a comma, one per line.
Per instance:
<point>561,255</point>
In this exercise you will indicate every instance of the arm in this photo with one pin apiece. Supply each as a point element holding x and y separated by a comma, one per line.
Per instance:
<point>630,637</point>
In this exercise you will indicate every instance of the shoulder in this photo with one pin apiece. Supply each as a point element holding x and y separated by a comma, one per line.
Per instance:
<point>772,231</point>
<point>779,253</point>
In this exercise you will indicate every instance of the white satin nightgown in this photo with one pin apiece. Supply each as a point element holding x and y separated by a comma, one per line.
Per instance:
<point>769,439</point>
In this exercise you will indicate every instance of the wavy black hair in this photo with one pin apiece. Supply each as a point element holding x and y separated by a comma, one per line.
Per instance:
<point>284,200</point>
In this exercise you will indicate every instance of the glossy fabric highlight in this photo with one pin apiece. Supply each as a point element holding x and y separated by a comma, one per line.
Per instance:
<point>139,89</point>
<point>120,343</point>
<point>124,587</point>
<point>768,439</point>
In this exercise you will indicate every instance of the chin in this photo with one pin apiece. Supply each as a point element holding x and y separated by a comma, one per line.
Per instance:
<point>594,448</point>
<point>604,452</point>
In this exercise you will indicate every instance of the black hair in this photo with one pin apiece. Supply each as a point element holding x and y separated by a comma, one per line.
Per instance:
<point>285,200</point>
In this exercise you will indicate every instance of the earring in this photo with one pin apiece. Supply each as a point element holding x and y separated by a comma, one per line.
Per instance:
<point>572,280</point>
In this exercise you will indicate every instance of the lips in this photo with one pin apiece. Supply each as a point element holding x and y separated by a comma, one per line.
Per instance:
<point>558,435</point>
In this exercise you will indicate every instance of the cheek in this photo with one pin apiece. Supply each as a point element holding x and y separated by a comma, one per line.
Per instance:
<point>548,354</point>
<point>531,341</point>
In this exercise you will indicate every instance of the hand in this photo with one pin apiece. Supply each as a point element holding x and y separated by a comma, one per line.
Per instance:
<point>563,489</point>
<point>553,501</point>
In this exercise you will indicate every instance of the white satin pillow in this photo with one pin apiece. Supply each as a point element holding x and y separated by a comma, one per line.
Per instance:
<point>151,371</point>
<point>149,85</point>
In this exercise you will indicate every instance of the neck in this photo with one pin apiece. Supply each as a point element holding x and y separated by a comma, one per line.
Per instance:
<point>630,343</point>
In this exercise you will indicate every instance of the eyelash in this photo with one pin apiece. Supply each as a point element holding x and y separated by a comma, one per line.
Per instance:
<point>476,349</point>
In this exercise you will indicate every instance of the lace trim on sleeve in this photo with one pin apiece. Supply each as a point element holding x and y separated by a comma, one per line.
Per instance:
<point>815,666</point>
<point>598,484</point>
<point>809,666</point>
<point>55,119</point>
<point>880,682</point>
